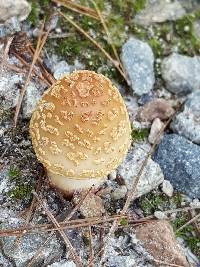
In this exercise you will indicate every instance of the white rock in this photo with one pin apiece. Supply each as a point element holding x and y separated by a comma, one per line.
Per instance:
<point>113,175</point>
<point>152,175</point>
<point>160,215</point>
<point>119,193</point>
<point>155,129</point>
<point>195,203</point>
<point>10,8</point>
<point>167,188</point>
<point>31,99</point>
<point>61,69</point>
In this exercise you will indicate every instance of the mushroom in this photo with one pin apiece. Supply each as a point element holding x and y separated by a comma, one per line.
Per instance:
<point>80,130</point>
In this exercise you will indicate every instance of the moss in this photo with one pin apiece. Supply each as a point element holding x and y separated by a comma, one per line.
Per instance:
<point>188,43</point>
<point>13,172</point>
<point>156,46</point>
<point>39,7</point>
<point>158,201</point>
<point>139,134</point>
<point>138,5</point>
<point>20,192</point>
<point>187,233</point>
<point>123,222</point>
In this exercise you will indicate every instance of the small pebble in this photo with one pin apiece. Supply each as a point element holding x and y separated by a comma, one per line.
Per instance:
<point>160,215</point>
<point>119,193</point>
<point>167,188</point>
<point>155,130</point>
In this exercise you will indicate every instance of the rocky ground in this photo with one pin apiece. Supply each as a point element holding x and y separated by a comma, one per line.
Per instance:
<point>158,42</point>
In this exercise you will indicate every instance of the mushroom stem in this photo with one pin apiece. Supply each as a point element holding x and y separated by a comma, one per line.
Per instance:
<point>69,185</point>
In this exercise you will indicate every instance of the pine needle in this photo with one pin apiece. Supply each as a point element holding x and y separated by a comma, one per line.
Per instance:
<point>78,8</point>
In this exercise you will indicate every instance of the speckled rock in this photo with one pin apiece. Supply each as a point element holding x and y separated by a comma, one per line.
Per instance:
<point>9,27</point>
<point>138,59</point>
<point>18,8</point>
<point>60,69</point>
<point>157,108</point>
<point>167,188</point>
<point>28,246</point>
<point>187,122</point>
<point>31,99</point>
<point>158,11</point>
<point>159,240</point>
<point>155,130</point>
<point>9,91</point>
<point>4,262</point>
<point>127,252</point>
<point>179,160</point>
<point>176,71</point>
<point>152,175</point>
<point>92,206</point>
<point>119,192</point>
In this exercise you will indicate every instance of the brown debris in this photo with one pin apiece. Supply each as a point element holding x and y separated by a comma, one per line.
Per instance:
<point>159,240</point>
<point>92,206</point>
<point>157,108</point>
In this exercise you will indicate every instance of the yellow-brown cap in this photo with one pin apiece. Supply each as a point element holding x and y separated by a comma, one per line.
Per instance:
<point>80,127</point>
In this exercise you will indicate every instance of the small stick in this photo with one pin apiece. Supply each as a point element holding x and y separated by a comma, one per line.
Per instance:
<point>78,8</point>
<point>29,76</point>
<point>108,35</point>
<point>91,254</point>
<point>6,51</point>
<point>189,222</point>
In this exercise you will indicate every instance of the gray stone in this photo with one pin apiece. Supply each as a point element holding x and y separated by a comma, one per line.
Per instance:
<point>181,73</point>
<point>28,246</point>
<point>167,188</point>
<point>127,252</point>
<point>152,175</point>
<point>9,92</point>
<point>4,262</point>
<point>119,192</point>
<point>179,160</point>
<point>10,27</point>
<point>160,215</point>
<point>17,8</point>
<point>61,69</point>
<point>138,59</point>
<point>187,122</point>
<point>157,11</point>
<point>31,99</point>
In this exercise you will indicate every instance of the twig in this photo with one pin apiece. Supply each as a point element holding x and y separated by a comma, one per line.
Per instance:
<point>78,8</point>
<point>189,222</point>
<point>6,51</point>
<point>61,228</point>
<point>166,263</point>
<point>114,62</point>
<point>72,251</point>
<point>67,225</point>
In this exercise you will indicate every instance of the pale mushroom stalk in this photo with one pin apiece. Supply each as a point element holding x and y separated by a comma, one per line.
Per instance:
<point>80,130</point>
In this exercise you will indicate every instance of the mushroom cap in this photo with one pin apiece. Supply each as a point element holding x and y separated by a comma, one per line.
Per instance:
<point>80,127</point>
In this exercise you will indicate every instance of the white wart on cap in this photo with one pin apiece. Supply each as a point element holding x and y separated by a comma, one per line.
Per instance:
<point>80,130</point>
